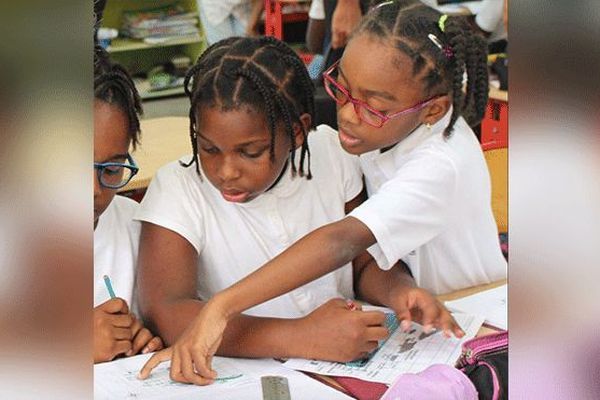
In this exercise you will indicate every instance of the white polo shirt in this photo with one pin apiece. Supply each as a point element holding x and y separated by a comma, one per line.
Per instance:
<point>489,18</point>
<point>218,10</point>
<point>233,239</point>
<point>116,241</point>
<point>430,205</point>
<point>317,10</point>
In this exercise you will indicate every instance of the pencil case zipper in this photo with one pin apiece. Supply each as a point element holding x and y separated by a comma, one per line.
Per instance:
<point>486,345</point>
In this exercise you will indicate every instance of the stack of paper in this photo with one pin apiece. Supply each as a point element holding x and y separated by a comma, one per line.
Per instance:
<point>240,380</point>
<point>160,24</point>
<point>490,304</point>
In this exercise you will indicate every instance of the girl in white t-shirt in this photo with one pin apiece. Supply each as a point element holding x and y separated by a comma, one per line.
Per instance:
<point>399,89</point>
<point>252,189</point>
<point>116,126</point>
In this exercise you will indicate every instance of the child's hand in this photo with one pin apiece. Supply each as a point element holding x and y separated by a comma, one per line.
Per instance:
<point>338,334</point>
<point>192,354</point>
<point>112,330</point>
<point>143,340</point>
<point>412,303</point>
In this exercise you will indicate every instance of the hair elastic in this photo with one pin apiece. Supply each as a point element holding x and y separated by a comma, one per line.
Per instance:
<point>442,22</point>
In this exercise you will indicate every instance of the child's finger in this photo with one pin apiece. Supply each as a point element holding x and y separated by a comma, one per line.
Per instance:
<point>136,325</point>
<point>154,344</point>
<point>189,373</point>
<point>403,315</point>
<point>450,326</point>
<point>157,358</point>
<point>458,332</point>
<point>140,340</point>
<point>430,313</point>
<point>202,364</point>
<point>370,346</point>
<point>121,334</point>
<point>175,368</point>
<point>372,318</point>
<point>121,347</point>
<point>114,306</point>
<point>374,333</point>
<point>121,320</point>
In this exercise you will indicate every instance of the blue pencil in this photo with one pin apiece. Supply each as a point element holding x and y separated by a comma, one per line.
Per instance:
<point>109,287</point>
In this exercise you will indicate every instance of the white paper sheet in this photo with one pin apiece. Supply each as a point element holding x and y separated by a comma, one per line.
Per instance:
<point>118,380</point>
<point>404,352</point>
<point>491,304</point>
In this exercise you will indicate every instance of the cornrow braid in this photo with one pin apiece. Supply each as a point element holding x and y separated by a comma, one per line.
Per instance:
<point>113,85</point>
<point>261,73</point>
<point>408,24</point>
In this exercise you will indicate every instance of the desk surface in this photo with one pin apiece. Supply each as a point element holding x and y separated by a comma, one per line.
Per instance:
<point>162,140</point>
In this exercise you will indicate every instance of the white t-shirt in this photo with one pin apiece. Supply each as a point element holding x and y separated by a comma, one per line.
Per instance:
<point>116,241</point>
<point>235,239</point>
<point>430,205</point>
<point>317,10</point>
<point>489,18</point>
<point>217,10</point>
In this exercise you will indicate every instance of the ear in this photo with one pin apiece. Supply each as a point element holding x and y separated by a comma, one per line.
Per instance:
<point>306,121</point>
<point>436,110</point>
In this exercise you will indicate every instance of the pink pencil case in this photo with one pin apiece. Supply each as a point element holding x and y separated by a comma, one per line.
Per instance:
<point>485,361</point>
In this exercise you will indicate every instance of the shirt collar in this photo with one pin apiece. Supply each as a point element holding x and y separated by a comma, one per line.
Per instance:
<point>415,139</point>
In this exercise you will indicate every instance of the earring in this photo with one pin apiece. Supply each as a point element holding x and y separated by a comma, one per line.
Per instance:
<point>428,125</point>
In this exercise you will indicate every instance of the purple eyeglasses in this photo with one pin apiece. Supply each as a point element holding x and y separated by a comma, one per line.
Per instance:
<point>366,113</point>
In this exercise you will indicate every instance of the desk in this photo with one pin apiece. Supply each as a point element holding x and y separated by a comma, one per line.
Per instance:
<point>162,140</point>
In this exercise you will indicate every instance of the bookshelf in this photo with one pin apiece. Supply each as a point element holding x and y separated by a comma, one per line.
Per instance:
<point>140,57</point>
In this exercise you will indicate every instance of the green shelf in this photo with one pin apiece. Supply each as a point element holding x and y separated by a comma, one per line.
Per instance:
<point>121,44</point>
<point>139,57</point>
<point>162,93</point>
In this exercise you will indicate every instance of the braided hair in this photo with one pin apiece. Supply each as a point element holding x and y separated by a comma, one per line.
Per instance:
<point>441,62</point>
<point>262,73</point>
<point>113,85</point>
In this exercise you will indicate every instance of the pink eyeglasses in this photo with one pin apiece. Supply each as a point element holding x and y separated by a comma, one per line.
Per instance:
<point>375,118</point>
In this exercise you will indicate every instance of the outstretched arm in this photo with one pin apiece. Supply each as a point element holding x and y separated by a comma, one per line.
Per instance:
<point>313,256</point>
<point>167,280</point>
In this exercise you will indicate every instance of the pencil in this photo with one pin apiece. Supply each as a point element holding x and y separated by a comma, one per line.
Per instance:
<point>109,287</point>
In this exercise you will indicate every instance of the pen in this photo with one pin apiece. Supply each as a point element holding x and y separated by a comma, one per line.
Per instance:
<point>109,287</point>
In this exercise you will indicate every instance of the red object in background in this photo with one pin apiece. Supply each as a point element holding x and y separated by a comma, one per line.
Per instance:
<point>494,125</point>
<point>273,19</point>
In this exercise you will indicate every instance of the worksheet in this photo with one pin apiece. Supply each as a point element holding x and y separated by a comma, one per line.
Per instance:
<point>239,380</point>
<point>491,304</point>
<point>404,352</point>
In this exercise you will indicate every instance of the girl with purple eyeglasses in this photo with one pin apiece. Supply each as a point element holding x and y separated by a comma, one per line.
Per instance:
<point>404,109</point>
